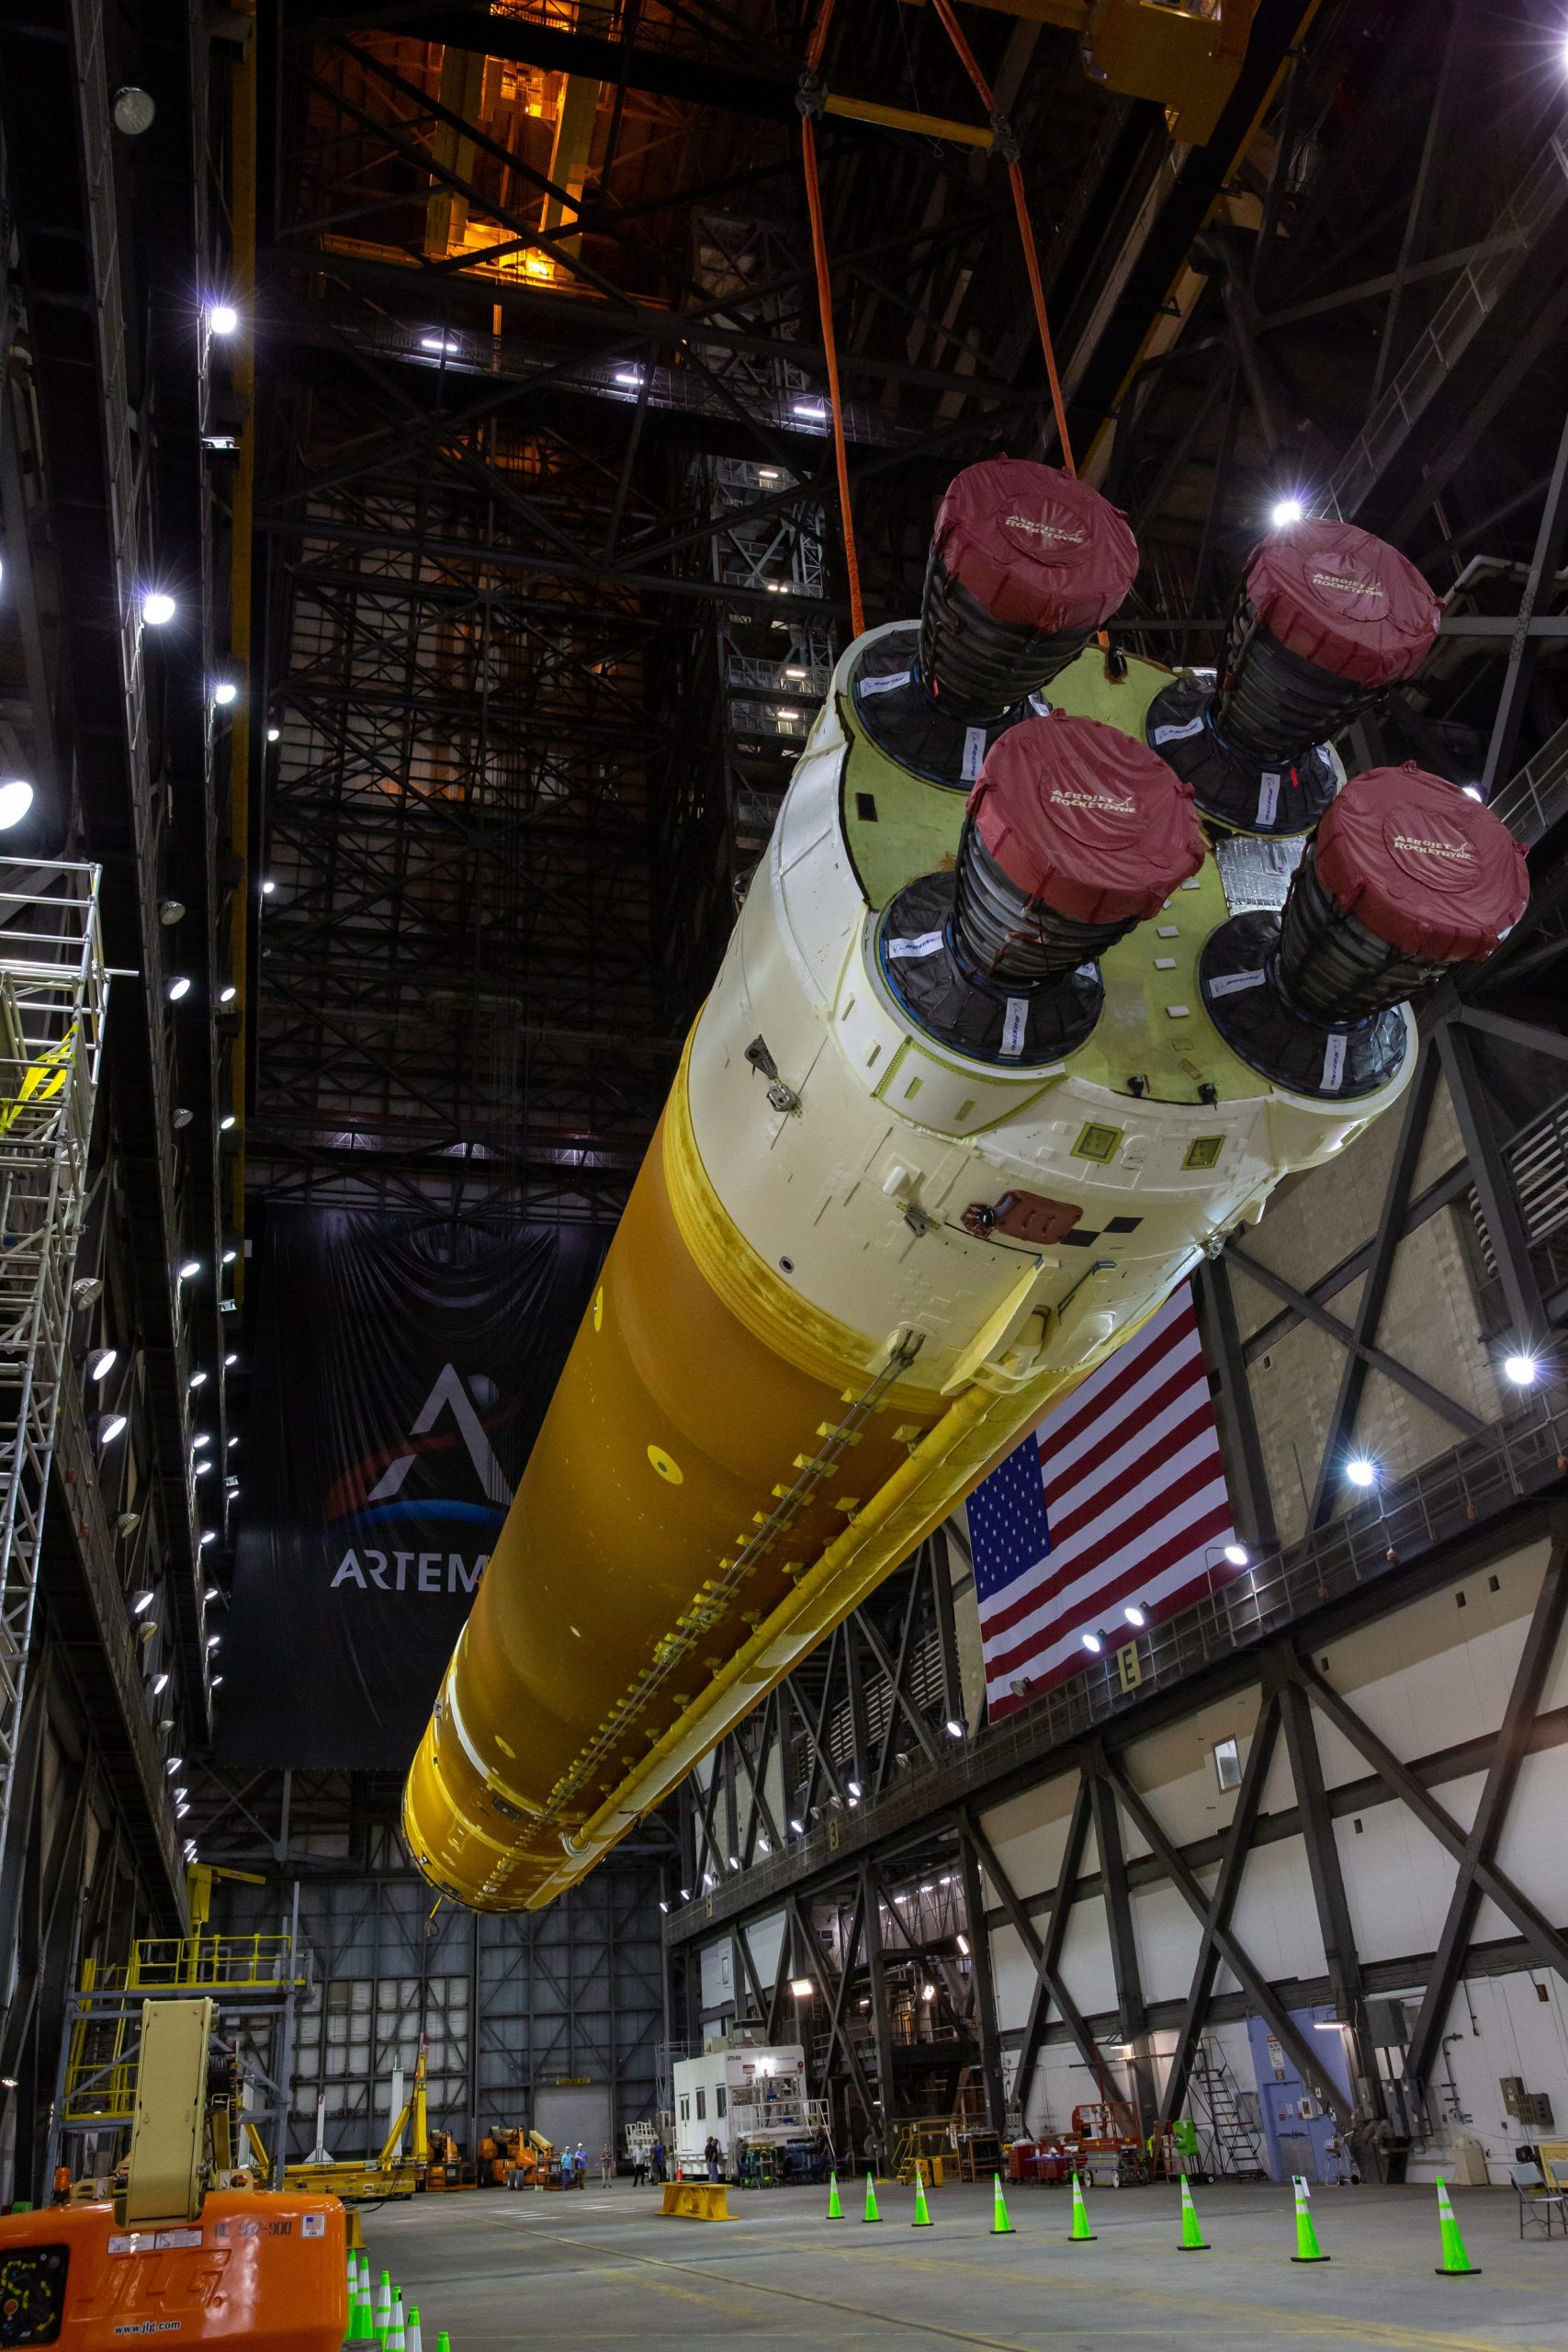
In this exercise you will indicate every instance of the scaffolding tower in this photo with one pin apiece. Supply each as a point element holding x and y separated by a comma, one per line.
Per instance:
<point>54,992</point>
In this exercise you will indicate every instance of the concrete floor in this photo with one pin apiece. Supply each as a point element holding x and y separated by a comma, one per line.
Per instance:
<point>604,2268</point>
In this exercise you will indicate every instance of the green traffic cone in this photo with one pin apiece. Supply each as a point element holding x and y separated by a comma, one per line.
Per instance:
<point>1193,2238</point>
<point>1082,2233</point>
<point>1456,2262</point>
<point>382,2312</point>
<point>870,2213</point>
<point>416,2334</point>
<point>923,2219</point>
<point>397,2335</point>
<point>835,2208</point>
<point>1307,2246</point>
<point>1000,2226</point>
<point>360,2330</point>
<point>443,2342</point>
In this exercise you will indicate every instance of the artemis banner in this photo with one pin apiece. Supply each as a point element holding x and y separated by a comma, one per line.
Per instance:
<point>402,1369</point>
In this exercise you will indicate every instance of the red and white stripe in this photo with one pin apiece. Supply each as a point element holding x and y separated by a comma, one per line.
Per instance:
<point>1135,1492</point>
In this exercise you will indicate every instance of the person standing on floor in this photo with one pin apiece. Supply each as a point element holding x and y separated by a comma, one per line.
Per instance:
<point>606,2167</point>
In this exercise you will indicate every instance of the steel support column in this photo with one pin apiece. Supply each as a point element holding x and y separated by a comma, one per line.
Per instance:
<point>1536,1662</point>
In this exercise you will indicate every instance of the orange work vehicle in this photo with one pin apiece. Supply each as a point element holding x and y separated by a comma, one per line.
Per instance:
<point>255,2266</point>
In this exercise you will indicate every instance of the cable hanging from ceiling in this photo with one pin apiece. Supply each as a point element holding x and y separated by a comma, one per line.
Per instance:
<point>810,101</point>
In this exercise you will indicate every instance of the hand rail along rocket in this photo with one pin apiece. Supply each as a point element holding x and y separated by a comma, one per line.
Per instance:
<point>1023,1013</point>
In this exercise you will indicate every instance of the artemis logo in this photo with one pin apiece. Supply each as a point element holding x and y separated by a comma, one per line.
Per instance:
<point>1044,530</point>
<point>408,1571</point>
<point>375,1493</point>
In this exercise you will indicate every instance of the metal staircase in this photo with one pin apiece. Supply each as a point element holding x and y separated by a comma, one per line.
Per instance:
<point>1236,2143</point>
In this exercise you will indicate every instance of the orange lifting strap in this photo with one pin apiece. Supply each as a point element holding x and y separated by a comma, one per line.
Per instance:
<point>966,57</point>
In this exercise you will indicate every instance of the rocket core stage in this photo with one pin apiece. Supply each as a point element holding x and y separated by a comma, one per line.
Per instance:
<point>1005,1040</point>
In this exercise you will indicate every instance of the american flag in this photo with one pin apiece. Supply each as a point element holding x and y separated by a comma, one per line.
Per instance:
<point>1118,1498</point>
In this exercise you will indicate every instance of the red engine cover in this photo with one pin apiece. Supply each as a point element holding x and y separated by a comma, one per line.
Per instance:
<point>1035,546</point>
<point>1085,820</point>
<point>1341,598</point>
<point>1429,871</point>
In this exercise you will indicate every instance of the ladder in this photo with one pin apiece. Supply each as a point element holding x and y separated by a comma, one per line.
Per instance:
<point>1235,2141</point>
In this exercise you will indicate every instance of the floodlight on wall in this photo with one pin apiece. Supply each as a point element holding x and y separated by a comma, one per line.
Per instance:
<point>16,799</point>
<point>1522,1369</point>
<point>224,691</point>
<point>1137,1616</point>
<point>802,1987</point>
<point>1237,1555</point>
<point>101,1363</point>
<point>1360,1472</point>
<point>1286,511</point>
<point>223,318</point>
<point>158,607</point>
<point>111,1426</point>
<point>1093,1642</point>
<point>954,1728</point>
<point>178,988</point>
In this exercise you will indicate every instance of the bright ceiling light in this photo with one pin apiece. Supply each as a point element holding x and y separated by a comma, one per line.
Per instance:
<point>954,1728</point>
<point>230,1360</point>
<point>110,1427</point>
<point>1360,1472</point>
<point>226,1123</point>
<point>963,1946</point>
<point>1093,1644</point>
<point>630,376</point>
<point>224,693</point>
<point>1286,510</point>
<point>197,1379</point>
<point>227,996</point>
<point>102,1363</point>
<point>202,1436</point>
<point>189,1269</point>
<point>1135,1616</point>
<point>274,734</point>
<point>1237,1555</point>
<point>157,606</point>
<point>268,888</point>
<point>853,1787</point>
<point>141,1602</point>
<point>798,1827</point>
<point>1524,1371</point>
<point>439,343</point>
<point>209,1535</point>
<point>1472,792</point>
<point>178,988</point>
<point>16,799</point>
<point>802,1987</point>
<point>229,1256</point>
<point>222,318</point>
<point>160,1684</point>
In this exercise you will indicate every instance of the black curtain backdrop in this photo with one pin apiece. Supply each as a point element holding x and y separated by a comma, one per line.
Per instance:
<point>402,1368</point>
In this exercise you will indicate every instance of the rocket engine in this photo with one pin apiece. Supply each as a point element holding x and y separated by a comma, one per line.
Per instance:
<point>1325,619</point>
<point>1017,1022</point>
